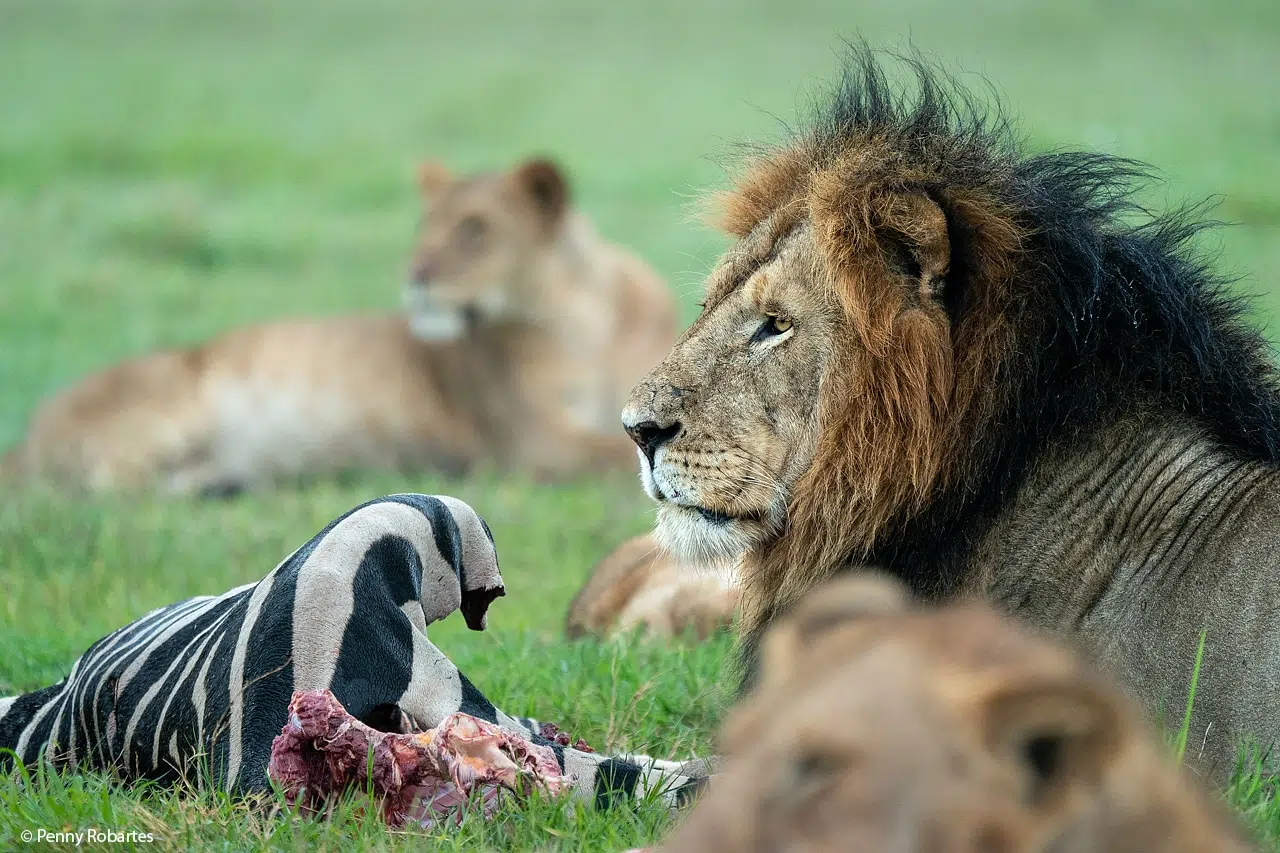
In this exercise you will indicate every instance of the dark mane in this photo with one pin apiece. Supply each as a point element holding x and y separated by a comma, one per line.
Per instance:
<point>1113,308</point>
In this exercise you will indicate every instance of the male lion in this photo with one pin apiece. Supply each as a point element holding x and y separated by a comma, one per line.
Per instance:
<point>524,331</point>
<point>884,729</point>
<point>931,352</point>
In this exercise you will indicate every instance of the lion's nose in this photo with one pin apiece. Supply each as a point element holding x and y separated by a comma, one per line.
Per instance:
<point>650,435</point>
<point>423,273</point>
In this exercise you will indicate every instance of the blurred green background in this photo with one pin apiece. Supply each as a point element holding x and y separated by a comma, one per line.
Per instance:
<point>170,168</point>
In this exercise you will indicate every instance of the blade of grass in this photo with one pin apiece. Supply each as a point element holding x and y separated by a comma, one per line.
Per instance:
<point>1180,745</point>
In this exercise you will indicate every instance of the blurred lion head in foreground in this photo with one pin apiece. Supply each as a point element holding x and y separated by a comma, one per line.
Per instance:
<point>876,726</point>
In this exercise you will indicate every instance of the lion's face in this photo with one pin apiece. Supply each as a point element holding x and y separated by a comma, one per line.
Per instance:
<point>823,346</point>
<point>815,405</point>
<point>876,728</point>
<point>477,245</point>
<point>728,423</point>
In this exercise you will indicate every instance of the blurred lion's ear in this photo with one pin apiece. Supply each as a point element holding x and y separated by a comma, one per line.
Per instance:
<point>433,177</point>
<point>544,184</point>
<point>1062,735</point>
<point>866,594</point>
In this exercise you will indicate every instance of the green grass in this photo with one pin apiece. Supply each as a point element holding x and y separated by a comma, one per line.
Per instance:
<point>172,168</point>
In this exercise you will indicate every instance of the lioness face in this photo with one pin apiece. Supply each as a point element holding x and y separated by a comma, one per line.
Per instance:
<point>727,424</point>
<point>476,245</point>
<point>868,760</point>
<point>903,732</point>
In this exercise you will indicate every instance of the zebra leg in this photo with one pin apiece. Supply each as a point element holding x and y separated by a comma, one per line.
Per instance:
<point>599,779</point>
<point>608,779</point>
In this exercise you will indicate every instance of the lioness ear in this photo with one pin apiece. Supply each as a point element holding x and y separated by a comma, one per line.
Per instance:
<point>869,593</point>
<point>433,177</point>
<point>1061,736</point>
<point>915,238</point>
<point>544,184</point>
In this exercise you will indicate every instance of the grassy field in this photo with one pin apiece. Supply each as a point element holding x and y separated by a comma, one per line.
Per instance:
<point>172,168</point>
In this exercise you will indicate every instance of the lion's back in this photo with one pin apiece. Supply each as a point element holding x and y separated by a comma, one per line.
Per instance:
<point>648,321</point>
<point>252,404</point>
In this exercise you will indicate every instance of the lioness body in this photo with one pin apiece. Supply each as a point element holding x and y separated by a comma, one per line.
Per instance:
<point>529,380</point>
<point>880,728</point>
<point>306,397</point>
<point>930,352</point>
<point>640,586</point>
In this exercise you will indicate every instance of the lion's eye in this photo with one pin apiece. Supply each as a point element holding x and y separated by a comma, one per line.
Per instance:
<point>811,775</point>
<point>472,229</point>
<point>772,326</point>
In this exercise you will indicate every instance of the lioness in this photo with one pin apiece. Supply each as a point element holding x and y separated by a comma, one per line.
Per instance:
<point>524,331</point>
<point>884,729</point>
<point>639,586</point>
<point>932,352</point>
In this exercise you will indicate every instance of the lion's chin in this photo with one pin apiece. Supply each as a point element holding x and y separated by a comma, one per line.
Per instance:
<point>439,327</point>
<point>704,538</point>
<point>430,319</point>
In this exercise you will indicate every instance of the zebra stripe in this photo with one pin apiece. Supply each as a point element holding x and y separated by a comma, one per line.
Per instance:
<point>348,611</point>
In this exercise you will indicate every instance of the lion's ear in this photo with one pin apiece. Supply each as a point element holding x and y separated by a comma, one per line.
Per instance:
<point>433,178</point>
<point>1061,735</point>
<point>868,593</point>
<point>542,182</point>
<point>914,235</point>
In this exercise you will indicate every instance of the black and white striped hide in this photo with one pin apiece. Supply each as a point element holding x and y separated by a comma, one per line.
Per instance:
<point>209,679</point>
